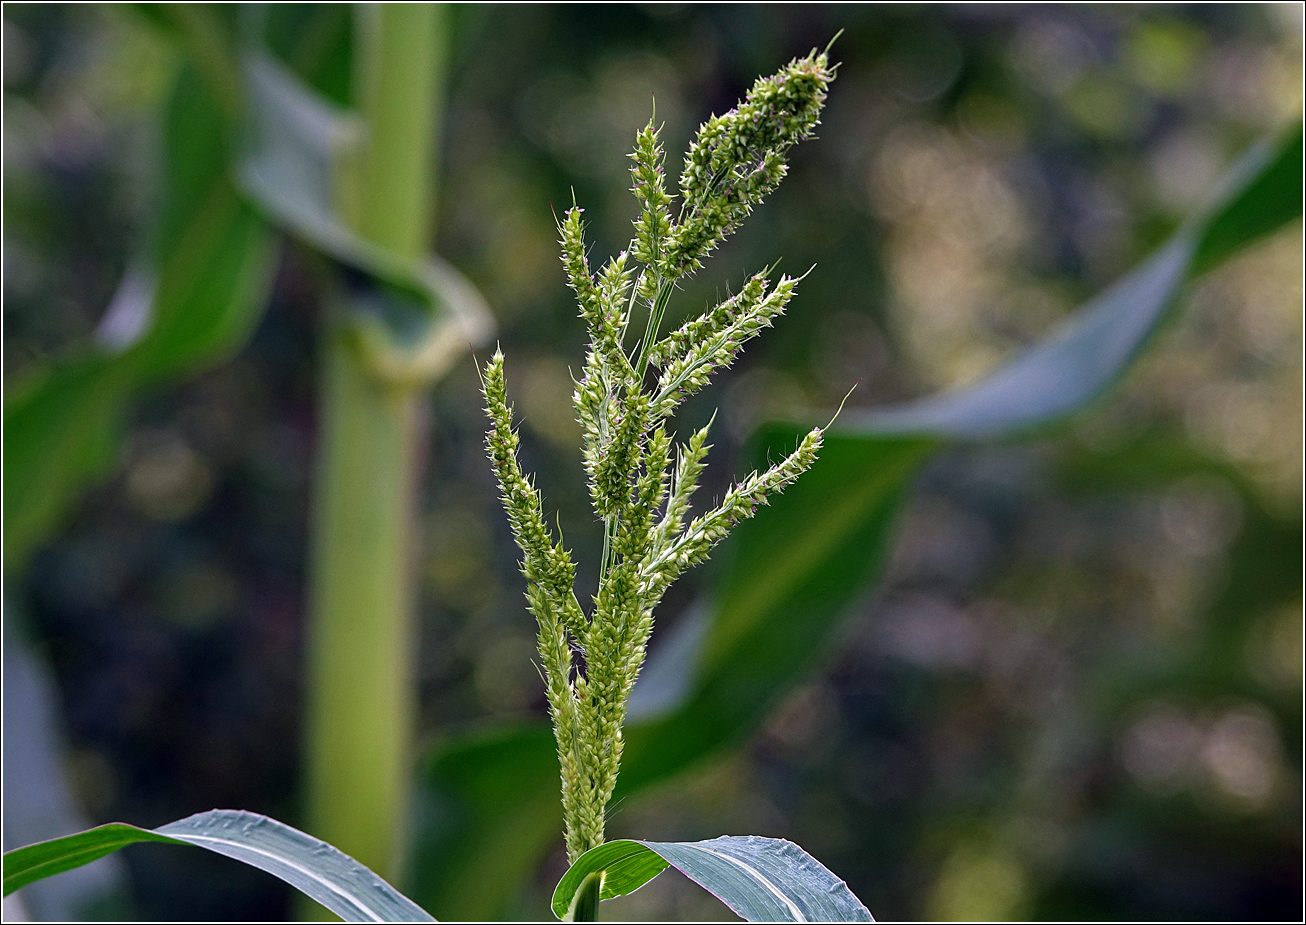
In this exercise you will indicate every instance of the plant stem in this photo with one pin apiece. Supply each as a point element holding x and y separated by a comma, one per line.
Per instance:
<point>655,313</point>
<point>401,57</point>
<point>609,530</point>
<point>360,696</point>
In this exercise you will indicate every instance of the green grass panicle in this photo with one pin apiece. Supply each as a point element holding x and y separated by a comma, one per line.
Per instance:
<point>640,481</point>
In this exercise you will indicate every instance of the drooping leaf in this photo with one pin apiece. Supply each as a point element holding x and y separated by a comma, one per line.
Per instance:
<point>211,272</point>
<point>1260,195</point>
<point>206,34</point>
<point>760,879</point>
<point>45,859</point>
<point>214,253</point>
<point>419,316</point>
<point>209,281</point>
<point>326,874</point>
<point>60,431</point>
<point>316,41</point>
<point>793,572</point>
<point>1086,355</point>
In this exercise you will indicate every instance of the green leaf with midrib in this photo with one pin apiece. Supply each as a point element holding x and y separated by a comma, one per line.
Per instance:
<point>759,879</point>
<point>331,877</point>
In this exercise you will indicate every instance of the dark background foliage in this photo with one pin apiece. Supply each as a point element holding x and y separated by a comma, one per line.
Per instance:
<point>1078,692</point>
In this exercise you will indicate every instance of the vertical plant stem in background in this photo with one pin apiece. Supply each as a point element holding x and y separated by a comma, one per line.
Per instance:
<point>400,62</point>
<point>360,696</point>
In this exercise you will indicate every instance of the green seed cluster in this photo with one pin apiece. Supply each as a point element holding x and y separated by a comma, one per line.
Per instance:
<point>738,158</point>
<point>641,483</point>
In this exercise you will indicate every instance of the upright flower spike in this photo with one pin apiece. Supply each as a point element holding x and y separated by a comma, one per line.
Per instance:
<point>653,226</point>
<point>627,448</point>
<point>737,158</point>
<point>572,239</point>
<point>544,564</point>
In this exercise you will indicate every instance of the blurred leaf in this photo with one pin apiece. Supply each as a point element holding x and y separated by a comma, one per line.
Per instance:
<point>213,287</point>
<point>294,162</point>
<point>1261,571</point>
<point>792,572</point>
<point>213,267</point>
<point>60,431</point>
<point>1262,194</point>
<point>329,876</point>
<point>215,254</point>
<point>205,31</point>
<point>315,40</point>
<point>1087,354</point>
<point>760,879</point>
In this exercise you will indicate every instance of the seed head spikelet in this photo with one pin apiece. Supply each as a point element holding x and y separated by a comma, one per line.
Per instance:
<point>737,158</point>
<point>653,226</point>
<point>641,481</point>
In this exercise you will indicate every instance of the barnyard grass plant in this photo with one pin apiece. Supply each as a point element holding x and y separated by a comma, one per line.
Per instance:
<point>641,480</point>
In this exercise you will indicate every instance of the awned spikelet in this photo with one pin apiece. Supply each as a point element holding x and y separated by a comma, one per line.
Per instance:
<point>639,495</point>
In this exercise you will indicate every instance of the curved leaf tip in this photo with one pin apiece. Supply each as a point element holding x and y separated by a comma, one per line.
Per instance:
<point>759,879</point>
<point>324,873</point>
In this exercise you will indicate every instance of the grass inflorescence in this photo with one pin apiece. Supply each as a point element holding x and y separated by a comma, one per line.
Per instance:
<point>641,480</point>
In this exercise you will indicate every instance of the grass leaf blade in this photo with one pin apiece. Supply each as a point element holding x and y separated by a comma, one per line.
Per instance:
<point>760,879</point>
<point>312,866</point>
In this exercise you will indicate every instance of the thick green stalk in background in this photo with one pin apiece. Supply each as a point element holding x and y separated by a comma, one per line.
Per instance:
<point>360,696</point>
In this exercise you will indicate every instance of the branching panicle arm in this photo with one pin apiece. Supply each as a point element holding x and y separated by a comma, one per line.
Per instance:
<point>713,321</point>
<point>704,355</point>
<point>544,563</point>
<point>740,503</point>
<point>689,465</point>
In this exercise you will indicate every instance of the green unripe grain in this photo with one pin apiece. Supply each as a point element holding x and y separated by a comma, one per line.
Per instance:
<point>732,163</point>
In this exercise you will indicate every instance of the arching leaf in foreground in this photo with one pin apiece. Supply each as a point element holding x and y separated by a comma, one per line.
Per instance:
<point>326,874</point>
<point>760,879</point>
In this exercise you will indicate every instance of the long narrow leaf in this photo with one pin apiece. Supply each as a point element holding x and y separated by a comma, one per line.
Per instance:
<point>760,879</point>
<point>45,859</point>
<point>793,572</point>
<point>329,876</point>
<point>1083,358</point>
<point>212,268</point>
<point>60,432</point>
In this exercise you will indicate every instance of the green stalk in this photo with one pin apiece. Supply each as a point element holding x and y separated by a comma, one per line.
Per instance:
<point>360,689</point>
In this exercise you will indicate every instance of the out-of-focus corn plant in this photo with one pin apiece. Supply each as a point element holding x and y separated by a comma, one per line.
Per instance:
<point>253,145</point>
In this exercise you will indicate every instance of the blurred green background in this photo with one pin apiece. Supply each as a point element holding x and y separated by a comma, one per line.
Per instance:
<point>1077,693</point>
